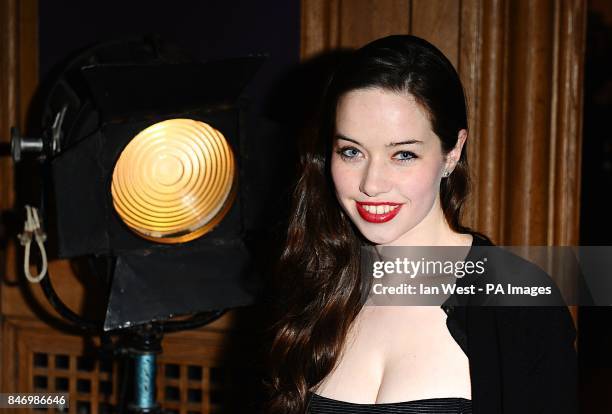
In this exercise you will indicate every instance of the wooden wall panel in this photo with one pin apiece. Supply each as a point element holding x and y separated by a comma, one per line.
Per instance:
<point>364,20</point>
<point>332,24</point>
<point>525,96</point>
<point>566,122</point>
<point>528,124</point>
<point>18,81</point>
<point>438,22</point>
<point>483,75</point>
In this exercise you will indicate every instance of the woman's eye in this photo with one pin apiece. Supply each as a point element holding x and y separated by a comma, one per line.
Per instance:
<point>404,156</point>
<point>348,152</point>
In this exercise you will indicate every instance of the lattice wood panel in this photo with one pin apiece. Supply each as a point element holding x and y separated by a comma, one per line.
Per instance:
<point>192,389</point>
<point>91,383</point>
<point>195,374</point>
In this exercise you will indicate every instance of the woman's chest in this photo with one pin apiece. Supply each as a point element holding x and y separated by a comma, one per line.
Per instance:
<point>398,354</point>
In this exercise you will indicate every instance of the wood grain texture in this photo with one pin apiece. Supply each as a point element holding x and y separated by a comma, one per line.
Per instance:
<point>566,122</point>
<point>9,91</point>
<point>438,22</point>
<point>529,70</point>
<point>483,72</point>
<point>28,57</point>
<point>333,24</point>
<point>18,80</point>
<point>364,20</point>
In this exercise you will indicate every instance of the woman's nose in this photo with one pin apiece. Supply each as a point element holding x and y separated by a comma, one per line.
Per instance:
<point>375,179</point>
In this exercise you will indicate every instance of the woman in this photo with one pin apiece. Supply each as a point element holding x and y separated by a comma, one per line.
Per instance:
<point>389,168</point>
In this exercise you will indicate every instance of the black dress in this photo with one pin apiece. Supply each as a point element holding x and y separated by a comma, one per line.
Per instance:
<point>324,405</point>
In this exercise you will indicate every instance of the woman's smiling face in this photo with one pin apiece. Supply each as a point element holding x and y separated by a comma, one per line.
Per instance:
<point>387,164</point>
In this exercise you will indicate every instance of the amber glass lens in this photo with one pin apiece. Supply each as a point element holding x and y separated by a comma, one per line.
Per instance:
<point>174,181</point>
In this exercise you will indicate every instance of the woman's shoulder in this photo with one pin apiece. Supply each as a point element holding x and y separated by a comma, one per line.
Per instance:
<point>509,279</point>
<point>480,239</point>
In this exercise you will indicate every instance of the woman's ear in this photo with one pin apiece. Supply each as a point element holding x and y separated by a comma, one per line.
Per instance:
<point>453,156</point>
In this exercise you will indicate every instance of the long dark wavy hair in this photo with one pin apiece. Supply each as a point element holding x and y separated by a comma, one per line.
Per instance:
<point>319,289</point>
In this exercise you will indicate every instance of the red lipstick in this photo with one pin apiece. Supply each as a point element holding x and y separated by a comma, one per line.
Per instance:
<point>377,218</point>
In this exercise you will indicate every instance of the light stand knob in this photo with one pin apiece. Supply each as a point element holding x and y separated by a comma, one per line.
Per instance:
<point>20,145</point>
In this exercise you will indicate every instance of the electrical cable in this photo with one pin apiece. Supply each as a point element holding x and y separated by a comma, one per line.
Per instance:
<point>32,229</point>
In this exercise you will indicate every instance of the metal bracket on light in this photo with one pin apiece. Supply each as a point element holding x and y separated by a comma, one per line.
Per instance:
<point>36,145</point>
<point>21,144</point>
<point>56,130</point>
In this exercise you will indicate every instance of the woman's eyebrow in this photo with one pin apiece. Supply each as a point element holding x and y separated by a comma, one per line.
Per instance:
<point>410,141</point>
<point>391,144</point>
<point>340,136</point>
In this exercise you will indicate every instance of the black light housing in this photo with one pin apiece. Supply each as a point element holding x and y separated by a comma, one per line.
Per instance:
<point>105,98</point>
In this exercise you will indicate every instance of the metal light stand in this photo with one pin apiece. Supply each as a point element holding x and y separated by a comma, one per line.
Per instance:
<point>144,346</point>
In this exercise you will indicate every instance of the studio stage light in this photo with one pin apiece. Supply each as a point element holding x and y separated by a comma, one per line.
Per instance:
<point>144,150</point>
